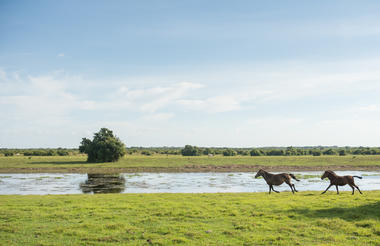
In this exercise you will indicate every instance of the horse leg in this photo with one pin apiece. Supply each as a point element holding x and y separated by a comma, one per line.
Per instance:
<point>294,188</point>
<point>275,190</point>
<point>327,189</point>
<point>358,188</point>
<point>270,188</point>
<point>353,190</point>
<point>291,187</point>
<point>337,191</point>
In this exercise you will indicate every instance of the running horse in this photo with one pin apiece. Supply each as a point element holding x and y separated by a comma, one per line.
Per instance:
<point>277,179</point>
<point>341,181</point>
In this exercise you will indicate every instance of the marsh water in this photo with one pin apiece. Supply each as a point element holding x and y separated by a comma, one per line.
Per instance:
<point>72,183</point>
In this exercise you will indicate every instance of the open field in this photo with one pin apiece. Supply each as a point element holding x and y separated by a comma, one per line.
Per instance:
<point>170,163</point>
<point>306,218</point>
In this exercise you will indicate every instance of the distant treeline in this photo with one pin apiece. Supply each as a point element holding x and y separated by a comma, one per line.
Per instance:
<point>189,150</point>
<point>39,152</point>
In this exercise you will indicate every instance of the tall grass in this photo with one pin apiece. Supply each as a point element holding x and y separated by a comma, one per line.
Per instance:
<point>306,218</point>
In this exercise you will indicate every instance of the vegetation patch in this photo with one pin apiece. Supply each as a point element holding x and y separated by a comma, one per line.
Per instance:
<point>305,218</point>
<point>177,163</point>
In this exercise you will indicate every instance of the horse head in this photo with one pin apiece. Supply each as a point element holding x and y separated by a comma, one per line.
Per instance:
<point>259,173</point>
<point>327,174</point>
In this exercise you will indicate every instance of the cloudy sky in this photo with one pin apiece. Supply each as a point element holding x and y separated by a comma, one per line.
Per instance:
<point>206,73</point>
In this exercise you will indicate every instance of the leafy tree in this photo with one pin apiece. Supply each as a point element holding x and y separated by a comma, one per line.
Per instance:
<point>329,152</point>
<point>291,151</point>
<point>243,152</point>
<point>8,153</point>
<point>357,152</point>
<point>190,151</point>
<point>255,152</point>
<point>229,152</point>
<point>208,151</point>
<point>275,152</point>
<point>105,147</point>
<point>316,152</point>
<point>342,152</point>
<point>62,152</point>
<point>146,152</point>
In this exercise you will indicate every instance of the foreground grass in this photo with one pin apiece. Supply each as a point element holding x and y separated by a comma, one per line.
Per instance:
<point>306,218</point>
<point>132,163</point>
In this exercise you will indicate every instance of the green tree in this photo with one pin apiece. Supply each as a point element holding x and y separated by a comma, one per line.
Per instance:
<point>146,152</point>
<point>190,151</point>
<point>291,151</point>
<point>329,152</point>
<point>255,152</point>
<point>275,152</point>
<point>105,147</point>
<point>316,152</point>
<point>208,151</point>
<point>229,152</point>
<point>342,152</point>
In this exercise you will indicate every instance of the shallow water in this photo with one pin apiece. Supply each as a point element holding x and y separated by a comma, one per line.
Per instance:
<point>57,183</point>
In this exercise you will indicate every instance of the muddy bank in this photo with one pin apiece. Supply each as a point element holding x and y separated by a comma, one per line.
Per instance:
<point>188,168</point>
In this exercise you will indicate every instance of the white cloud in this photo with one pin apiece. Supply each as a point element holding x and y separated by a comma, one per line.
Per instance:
<point>369,108</point>
<point>158,117</point>
<point>61,55</point>
<point>3,75</point>
<point>214,104</point>
<point>169,96</point>
<point>167,112</point>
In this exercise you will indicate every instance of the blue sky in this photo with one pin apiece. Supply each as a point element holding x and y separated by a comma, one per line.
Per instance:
<point>206,73</point>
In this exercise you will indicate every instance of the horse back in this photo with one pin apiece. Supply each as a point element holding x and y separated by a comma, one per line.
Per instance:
<point>343,180</point>
<point>278,179</point>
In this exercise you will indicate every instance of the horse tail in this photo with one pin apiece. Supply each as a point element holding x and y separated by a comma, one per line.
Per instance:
<point>357,177</point>
<point>292,175</point>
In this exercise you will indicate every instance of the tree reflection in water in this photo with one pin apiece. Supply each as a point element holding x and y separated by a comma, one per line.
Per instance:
<point>103,183</point>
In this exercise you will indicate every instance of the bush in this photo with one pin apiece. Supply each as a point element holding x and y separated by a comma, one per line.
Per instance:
<point>8,153</point>
<point>242,152</point>
<point>255,152</point>
<point>105,147</point>
<point>275,152</point>
<point>342,152</point>
<point>62,152</point>
<point>329,152</point>
<point>190,151</point>
<point>146,152</point>
<point>316,153</point>
<point>229,152</point>
<point>208,151</point>
<point>51,152</point>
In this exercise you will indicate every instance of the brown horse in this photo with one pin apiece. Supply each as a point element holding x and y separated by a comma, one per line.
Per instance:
<point>277,179</point>
<point>340,180</point>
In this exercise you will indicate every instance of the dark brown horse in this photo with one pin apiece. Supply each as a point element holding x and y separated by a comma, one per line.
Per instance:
<point>340,180</point>
<point>277,179</point>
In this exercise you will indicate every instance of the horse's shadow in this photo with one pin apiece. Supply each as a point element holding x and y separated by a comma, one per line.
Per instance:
<point>367,211</point>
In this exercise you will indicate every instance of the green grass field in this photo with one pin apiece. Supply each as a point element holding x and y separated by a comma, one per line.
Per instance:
<point>180,163</point>
<point>306,218</point>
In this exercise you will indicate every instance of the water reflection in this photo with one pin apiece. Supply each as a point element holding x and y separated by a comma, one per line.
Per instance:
<point>103,183</point>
